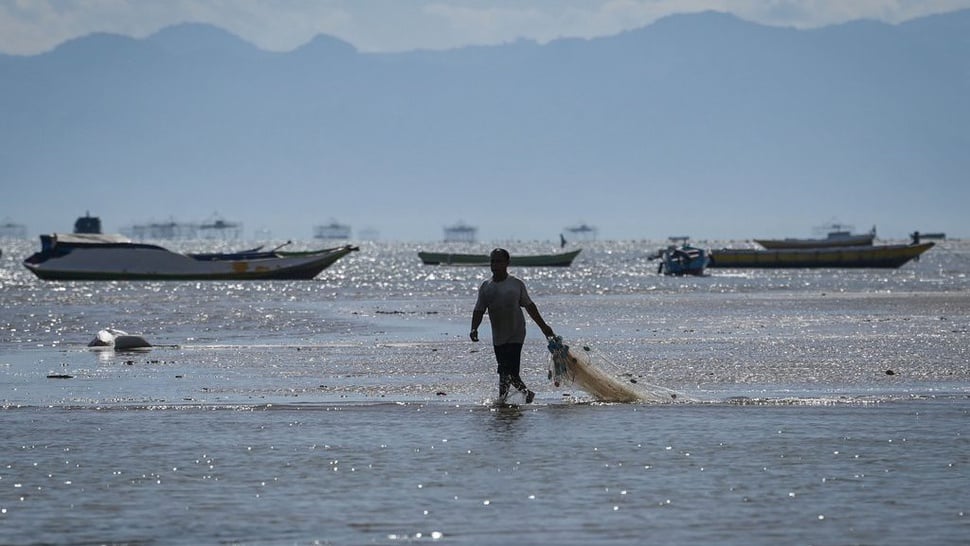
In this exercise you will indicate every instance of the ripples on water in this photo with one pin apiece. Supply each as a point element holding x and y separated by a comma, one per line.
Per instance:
<point>571,474</point>
<point>352,408</point>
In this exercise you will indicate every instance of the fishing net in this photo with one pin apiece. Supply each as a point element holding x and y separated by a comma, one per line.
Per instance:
<point>595,374</point>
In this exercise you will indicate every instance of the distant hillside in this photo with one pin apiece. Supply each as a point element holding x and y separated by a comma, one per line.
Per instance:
<point>703,123</point>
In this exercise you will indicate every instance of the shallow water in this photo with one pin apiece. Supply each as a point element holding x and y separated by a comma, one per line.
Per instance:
<point>614,474</point>
<point>816,407</point>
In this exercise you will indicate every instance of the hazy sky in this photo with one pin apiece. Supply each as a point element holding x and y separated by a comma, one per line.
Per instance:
<point>34,26</point>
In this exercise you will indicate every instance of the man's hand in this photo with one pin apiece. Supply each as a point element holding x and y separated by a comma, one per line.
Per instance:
<point>474,335</point>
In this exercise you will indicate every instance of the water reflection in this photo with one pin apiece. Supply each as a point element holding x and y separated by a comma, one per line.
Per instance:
<point>503,421</point>
<point>106,355</point>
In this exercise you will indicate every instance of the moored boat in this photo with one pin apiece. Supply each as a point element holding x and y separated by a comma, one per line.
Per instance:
<point>879,256</point>
<point>333,230</point>
<point>114,257</point>
<point>162,230</point>
<point>917,236</point>
<point>460,233</point>
<point>535,260</point>
<point>583,232</point>
<point>217,228</point>
<point>683,259</point>
<point>13,230</point>
<point>87,224</point>
<point>840,236</point>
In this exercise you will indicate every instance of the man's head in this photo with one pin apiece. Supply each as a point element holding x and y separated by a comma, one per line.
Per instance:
<point>499,261</point>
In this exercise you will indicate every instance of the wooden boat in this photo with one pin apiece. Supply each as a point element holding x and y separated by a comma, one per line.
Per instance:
<point>536,260</point>
<point>882,256</point>
<point>683,260</point>
<point>99,257</point>
<point>840,237</point>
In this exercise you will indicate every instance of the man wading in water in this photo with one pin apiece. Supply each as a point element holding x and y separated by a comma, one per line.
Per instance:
<point>504,296</point>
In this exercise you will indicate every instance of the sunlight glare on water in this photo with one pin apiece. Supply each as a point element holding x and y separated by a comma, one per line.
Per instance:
<point>818,406</point>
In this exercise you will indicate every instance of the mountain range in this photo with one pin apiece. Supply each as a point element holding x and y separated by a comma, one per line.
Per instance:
<point>701,124</point>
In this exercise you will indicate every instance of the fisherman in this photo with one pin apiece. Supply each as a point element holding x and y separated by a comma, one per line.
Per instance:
<point>504,296</point>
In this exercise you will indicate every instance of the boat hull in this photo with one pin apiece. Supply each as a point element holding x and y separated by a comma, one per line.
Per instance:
<point>684,260</point>
<point>881,256</point>
<point>138,262</point>
<point>538,260</point>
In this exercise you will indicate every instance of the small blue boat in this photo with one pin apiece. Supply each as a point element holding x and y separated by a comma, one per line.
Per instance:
<point>683,260</point>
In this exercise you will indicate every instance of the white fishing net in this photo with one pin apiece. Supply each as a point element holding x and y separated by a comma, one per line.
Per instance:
<point>595,374</point>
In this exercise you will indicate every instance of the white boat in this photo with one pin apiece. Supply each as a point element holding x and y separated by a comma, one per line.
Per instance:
<point>217,228</point>
<point>582,232</point>
<point>838,236</point>
<point>333,230</point>
<point>100,257</point>
<point>163,230</point>
<point>118,340</point>
<point>13,230</point>
<point>460,233</point>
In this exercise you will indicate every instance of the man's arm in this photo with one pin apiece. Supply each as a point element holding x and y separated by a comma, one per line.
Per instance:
<point>477,317</point>
<point>534,313</point>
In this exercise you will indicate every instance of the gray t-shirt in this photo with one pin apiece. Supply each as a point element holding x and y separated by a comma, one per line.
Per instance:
<point>504,301</point>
